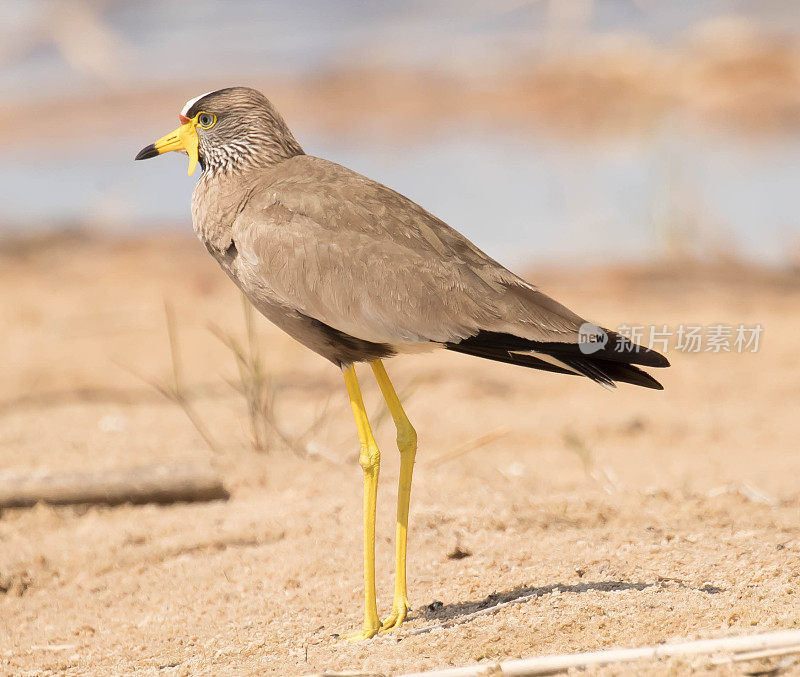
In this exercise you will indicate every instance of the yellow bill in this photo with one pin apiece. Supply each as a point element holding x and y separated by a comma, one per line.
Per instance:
<point>182,139</point>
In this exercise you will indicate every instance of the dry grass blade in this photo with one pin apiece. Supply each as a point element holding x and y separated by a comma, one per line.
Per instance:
<point>177,392</point>
<point>253,384</point>
<point>748,491</point>
<point>256,386</point>
<point>757,655</point>
<point>469,445</point>
<point>604,476</point>
<point>319,418</point>
<point>382,413</point>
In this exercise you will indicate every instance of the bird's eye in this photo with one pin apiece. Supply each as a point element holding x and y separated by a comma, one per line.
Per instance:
<point>206,120</point>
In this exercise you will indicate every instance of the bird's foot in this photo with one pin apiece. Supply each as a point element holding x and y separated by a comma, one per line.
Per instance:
<point>367,632</point>
<point>395,619</point>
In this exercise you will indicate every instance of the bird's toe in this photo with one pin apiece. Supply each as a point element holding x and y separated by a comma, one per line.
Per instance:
<point>396,617</point>
<point>361,635</point>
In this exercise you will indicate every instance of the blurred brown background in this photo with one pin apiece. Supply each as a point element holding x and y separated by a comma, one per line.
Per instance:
<point>620,129</point>
<point>638,159</point>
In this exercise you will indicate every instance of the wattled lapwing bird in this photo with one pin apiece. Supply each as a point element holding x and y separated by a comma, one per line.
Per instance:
<point>358,273</point>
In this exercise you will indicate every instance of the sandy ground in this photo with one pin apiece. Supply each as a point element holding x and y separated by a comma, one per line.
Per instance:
<point>628,518</point>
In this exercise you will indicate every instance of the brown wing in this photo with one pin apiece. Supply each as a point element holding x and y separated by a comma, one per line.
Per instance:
<point>362,258</point>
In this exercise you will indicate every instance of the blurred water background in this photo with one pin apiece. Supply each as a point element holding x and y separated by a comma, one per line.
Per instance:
<point>547,131</point>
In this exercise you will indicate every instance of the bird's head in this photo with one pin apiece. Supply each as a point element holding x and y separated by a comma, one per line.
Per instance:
<point>228,130</point>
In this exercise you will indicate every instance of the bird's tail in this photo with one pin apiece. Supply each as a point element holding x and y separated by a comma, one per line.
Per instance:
<point>605,363</point>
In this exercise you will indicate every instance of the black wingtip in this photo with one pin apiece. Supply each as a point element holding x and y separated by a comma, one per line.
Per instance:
<point>648,357</point>
<point>604,366</point>
<point>642,378</point>
<point>147,152</point>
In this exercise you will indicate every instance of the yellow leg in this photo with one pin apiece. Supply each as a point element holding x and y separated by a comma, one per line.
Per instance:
<point>407,444</point>
<point>370,460</point>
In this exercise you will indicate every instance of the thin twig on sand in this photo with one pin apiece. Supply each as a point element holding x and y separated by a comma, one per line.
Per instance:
<point>749,647</point>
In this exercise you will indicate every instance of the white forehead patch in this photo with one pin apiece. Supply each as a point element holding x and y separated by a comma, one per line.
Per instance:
<point>192,102</point>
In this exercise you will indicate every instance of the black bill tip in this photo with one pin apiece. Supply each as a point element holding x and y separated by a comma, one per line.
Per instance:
<point>147,152</point>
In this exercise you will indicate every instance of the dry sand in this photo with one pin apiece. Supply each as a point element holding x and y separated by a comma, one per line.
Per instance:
<point>695,534</point>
